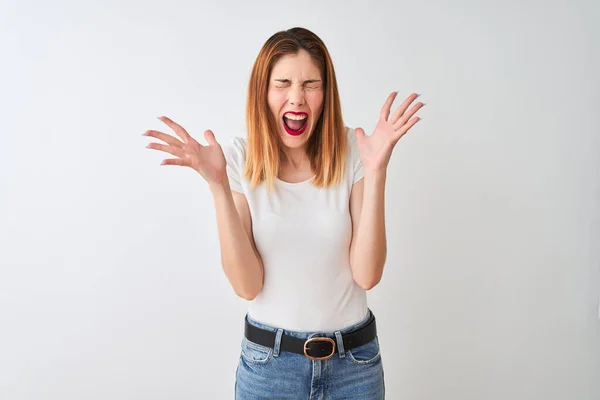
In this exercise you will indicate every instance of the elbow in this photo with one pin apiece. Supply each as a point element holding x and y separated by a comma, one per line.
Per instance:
<point>368,284</point>
<point>247,294</point>
<point>369,277</point>
<point>368,281</point>
<point>247,286</point>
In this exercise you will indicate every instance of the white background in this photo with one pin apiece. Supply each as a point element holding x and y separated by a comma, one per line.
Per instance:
<point>110,279</point>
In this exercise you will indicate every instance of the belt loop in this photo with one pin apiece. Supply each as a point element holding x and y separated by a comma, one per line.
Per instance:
<point>340,344</point>
<point>277,344</point>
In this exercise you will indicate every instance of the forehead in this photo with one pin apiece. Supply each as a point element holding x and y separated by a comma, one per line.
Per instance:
<point>299,66</point>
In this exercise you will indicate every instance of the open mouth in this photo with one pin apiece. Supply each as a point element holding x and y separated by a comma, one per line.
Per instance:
<point>295,123</point>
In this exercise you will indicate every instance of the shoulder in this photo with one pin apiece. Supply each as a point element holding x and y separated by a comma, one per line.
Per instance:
<point>235,149</point>
<point>236,144</point>
<point>351,136</point>
<point>352,148</point>
<point>354,162</point>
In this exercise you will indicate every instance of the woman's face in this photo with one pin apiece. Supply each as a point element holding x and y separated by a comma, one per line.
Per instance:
<point>295,97</point>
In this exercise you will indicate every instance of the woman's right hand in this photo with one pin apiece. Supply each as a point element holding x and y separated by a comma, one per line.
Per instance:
<point>209,161</point>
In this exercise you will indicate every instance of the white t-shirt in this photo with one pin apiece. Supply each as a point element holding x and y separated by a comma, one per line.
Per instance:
<point>303,235</point>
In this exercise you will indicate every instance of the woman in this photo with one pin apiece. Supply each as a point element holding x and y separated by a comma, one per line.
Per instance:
<point>300,216</point>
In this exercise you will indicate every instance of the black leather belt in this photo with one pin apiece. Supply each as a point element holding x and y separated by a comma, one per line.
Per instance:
<point>316,348</point>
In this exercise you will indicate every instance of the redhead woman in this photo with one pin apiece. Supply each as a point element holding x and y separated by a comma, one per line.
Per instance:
<point>300,214</point>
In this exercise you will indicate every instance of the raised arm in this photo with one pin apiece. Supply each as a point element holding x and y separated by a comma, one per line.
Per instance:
<point>239,258</point>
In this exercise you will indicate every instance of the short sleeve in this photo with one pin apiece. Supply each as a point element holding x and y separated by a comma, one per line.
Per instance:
<point>235,156</point>
<point>356,165</point>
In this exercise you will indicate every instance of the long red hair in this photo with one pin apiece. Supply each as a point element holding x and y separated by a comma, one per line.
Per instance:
<point>327,145</point>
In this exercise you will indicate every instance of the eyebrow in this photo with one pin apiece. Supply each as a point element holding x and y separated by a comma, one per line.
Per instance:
<point>306,81</point>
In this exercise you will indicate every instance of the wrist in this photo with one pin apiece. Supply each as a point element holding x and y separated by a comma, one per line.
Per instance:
<point>220,187</point>
<point>376,175</point>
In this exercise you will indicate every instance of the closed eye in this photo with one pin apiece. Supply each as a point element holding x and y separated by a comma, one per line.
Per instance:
<point>312,82</point>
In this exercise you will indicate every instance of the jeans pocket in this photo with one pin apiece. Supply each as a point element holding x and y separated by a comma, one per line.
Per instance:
<point>367,353</point>
<point>254,353</point>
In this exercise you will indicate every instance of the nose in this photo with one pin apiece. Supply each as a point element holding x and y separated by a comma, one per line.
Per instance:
<point>296,97</point>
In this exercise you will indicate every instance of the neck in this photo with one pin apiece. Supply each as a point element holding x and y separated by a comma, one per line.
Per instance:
<point>295,159</point>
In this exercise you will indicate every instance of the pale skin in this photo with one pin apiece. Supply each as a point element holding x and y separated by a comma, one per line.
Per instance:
<point>295,85</point>
<point>368,249</point>
<point>239,257</point>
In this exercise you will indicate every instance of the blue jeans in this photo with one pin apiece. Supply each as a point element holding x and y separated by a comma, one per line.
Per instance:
<point>267,373</point>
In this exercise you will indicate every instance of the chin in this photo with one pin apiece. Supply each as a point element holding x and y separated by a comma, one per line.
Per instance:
<point>294,142</point>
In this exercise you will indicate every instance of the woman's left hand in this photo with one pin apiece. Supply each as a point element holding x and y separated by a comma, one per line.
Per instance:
<point>375,150</point>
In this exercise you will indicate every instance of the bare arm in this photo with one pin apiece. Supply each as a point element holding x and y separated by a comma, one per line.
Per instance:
<point>368,249</point>
<point>239,257</point>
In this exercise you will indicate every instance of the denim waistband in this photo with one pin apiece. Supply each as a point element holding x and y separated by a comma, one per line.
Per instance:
<point>307,335</point>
